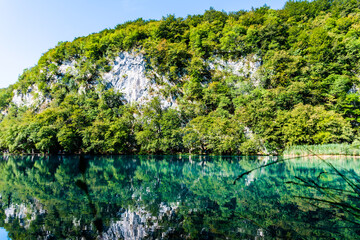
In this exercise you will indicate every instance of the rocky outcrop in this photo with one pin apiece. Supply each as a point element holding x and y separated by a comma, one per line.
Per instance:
<point>247,67</point>
<point>68,67</point>
<point>31,97</point>
<point>354,89</point>
<point>128,75</point>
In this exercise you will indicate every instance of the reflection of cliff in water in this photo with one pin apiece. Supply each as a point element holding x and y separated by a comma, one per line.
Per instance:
<point>131,224</point>
<point>25,213</point>
<point>148,198</point>
<point>140,224</point>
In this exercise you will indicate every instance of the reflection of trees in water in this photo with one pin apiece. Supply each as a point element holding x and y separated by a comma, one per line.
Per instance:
<point>158,198</point>
<point>338,189</point>
<point>336,195</point>
<point>52,182</point>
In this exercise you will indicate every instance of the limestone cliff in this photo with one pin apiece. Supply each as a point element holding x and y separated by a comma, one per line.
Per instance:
<point>129,75</point>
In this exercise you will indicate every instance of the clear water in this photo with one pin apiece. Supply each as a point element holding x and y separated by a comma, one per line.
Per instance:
<point>178,197</point>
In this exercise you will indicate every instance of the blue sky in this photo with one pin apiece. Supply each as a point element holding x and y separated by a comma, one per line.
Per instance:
<point>3,234</point>
<point>29,28</point>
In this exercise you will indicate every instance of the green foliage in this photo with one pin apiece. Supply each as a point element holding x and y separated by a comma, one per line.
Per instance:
<point>350,107</point>
<point>5,97</point>
<point>252,146</point>
<point>306,124</point>
<point>323,149</point>
<point>302,91</point>
<point>80,123</point>
<point>213,134</point>
<point>159,130</point>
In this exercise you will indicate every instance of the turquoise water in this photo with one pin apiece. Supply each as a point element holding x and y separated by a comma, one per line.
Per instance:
<point>178,197</point>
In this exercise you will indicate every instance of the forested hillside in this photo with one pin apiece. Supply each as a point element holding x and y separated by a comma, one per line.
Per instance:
<point>243,82</point>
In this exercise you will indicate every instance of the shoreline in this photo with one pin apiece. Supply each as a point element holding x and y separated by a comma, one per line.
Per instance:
<point>321,155</point>
<point>325,156</point>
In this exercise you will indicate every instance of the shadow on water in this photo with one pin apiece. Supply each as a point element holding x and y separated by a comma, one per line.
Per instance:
<point>83,166</point>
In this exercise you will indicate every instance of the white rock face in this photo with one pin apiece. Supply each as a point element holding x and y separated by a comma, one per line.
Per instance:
<point>29,98</point>
<point>68,67</point>
<point>128,75</point>
<point>248,133</point>
<point>246,67</point>
<point>354,89</point>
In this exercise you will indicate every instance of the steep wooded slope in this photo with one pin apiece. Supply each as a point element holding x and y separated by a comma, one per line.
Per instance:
<point>225,83</point>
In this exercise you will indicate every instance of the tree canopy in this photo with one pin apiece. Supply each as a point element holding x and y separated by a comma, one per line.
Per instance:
<point>304,89</point>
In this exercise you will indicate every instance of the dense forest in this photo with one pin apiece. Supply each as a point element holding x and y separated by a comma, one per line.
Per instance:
<point>305,92</point>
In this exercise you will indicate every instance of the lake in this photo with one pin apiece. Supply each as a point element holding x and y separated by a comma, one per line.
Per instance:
<point>178,197</point>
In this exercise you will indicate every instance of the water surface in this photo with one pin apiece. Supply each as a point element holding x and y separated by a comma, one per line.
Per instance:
<point>177,197</point>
